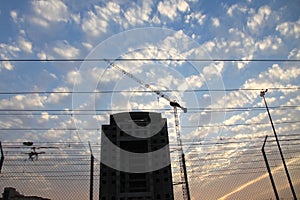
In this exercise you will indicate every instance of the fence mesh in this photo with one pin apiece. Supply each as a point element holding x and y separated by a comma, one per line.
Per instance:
<point>62,170</point>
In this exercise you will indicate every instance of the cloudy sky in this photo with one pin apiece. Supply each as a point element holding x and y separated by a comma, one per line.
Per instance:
<point>213,57</point>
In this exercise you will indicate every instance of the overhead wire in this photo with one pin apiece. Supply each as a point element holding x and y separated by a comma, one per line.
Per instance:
<point>148,59</point>
<point>98,128</point>
<point>146,91</point>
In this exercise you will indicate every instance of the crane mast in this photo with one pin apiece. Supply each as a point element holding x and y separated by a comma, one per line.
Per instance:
<point>175,105</point>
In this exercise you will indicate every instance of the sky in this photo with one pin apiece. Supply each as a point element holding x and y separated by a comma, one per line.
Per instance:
<point>213,57</point>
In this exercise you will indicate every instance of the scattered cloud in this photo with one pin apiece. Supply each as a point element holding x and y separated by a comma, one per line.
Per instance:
<point>96,21</point>
<point>171,8</point>
<point>23,102</point>
<point>289,29</point>
<point>241,30</point>
<point>138,14</point>
<point>65,50</point>
<point>255,22</point>
<point>74,77</point>
<point>25,45</point>
<point>269,43</point>
<point>236,7</point>
<point>51,11</point>
<point>294,53</point>
<point>167,8</point>
<point>59,94</point>
<point>14,15</point>
<point>215,21</point>
<point>198,17</point>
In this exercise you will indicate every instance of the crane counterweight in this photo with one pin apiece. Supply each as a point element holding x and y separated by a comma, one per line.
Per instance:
<point>175,104</point>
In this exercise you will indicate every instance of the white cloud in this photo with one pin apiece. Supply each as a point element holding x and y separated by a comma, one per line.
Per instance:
<point>96,22</point>
<point>275,76</point>
<point>199,17</point>
<point>256,21</point>
<point>183,6</point>
<point>42,55</point>
<point>76,18</point>
<point>87,45</point>
<point>294,53</point>
<point>25,45</point>
<point>237,43</point>
<point>23,102</point>
<point>168,9</point>
<point>9,49</point>
<point>93,25</point>
<point>213,70</point>
<point>209,46</point>
<point>269,43</point>
<point>236,7</point>
<point>46,117</point>
<point>6,65</point>
<point>51,10</point>
<point>216,22</point>
<point>113,7</point>
<point>74,77</point>
<point>279,74</point>
<point>6,52</point>
<point>61,93</point>
<point>14,15</point>
<point>236,118</point>
<point>65,50</point>
<point>195,80</point>
<point>40,21</point>
<point>138,15</point>
<point>289,29</point>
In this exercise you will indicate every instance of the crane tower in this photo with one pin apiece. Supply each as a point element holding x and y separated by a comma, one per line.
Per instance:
<point>175,105</point>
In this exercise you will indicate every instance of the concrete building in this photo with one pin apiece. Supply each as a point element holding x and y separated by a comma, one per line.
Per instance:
<point>125,183</point>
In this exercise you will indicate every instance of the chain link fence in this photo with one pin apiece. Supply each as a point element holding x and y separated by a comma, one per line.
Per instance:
<point>63,170</point>
<point>57,171</point>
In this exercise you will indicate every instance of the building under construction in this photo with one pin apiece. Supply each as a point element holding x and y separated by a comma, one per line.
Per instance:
<point>128,184</point>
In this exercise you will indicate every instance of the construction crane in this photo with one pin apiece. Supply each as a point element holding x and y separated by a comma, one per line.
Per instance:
<point>175,105</point>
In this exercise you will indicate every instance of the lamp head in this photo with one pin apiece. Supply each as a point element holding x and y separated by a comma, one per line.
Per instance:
<point>263,92</point>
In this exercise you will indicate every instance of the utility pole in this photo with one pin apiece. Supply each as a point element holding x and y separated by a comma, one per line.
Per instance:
<point>268,168</point>
<point>262,94</point>
<point>2,157</point>
<point>91,174</point>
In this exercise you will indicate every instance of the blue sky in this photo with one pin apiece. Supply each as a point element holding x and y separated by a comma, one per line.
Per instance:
<point>153,29</point>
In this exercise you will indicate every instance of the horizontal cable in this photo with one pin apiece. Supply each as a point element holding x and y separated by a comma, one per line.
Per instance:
<point>98,128</point>
<point>145,91</point>
<point>80,144</point>
<point>150,59</point>
<point>239,124</point>
<point>224,109</point>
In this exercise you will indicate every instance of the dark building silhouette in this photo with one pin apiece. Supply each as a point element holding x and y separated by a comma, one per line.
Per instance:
<point>127,185</point>
<point>11,193</point>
